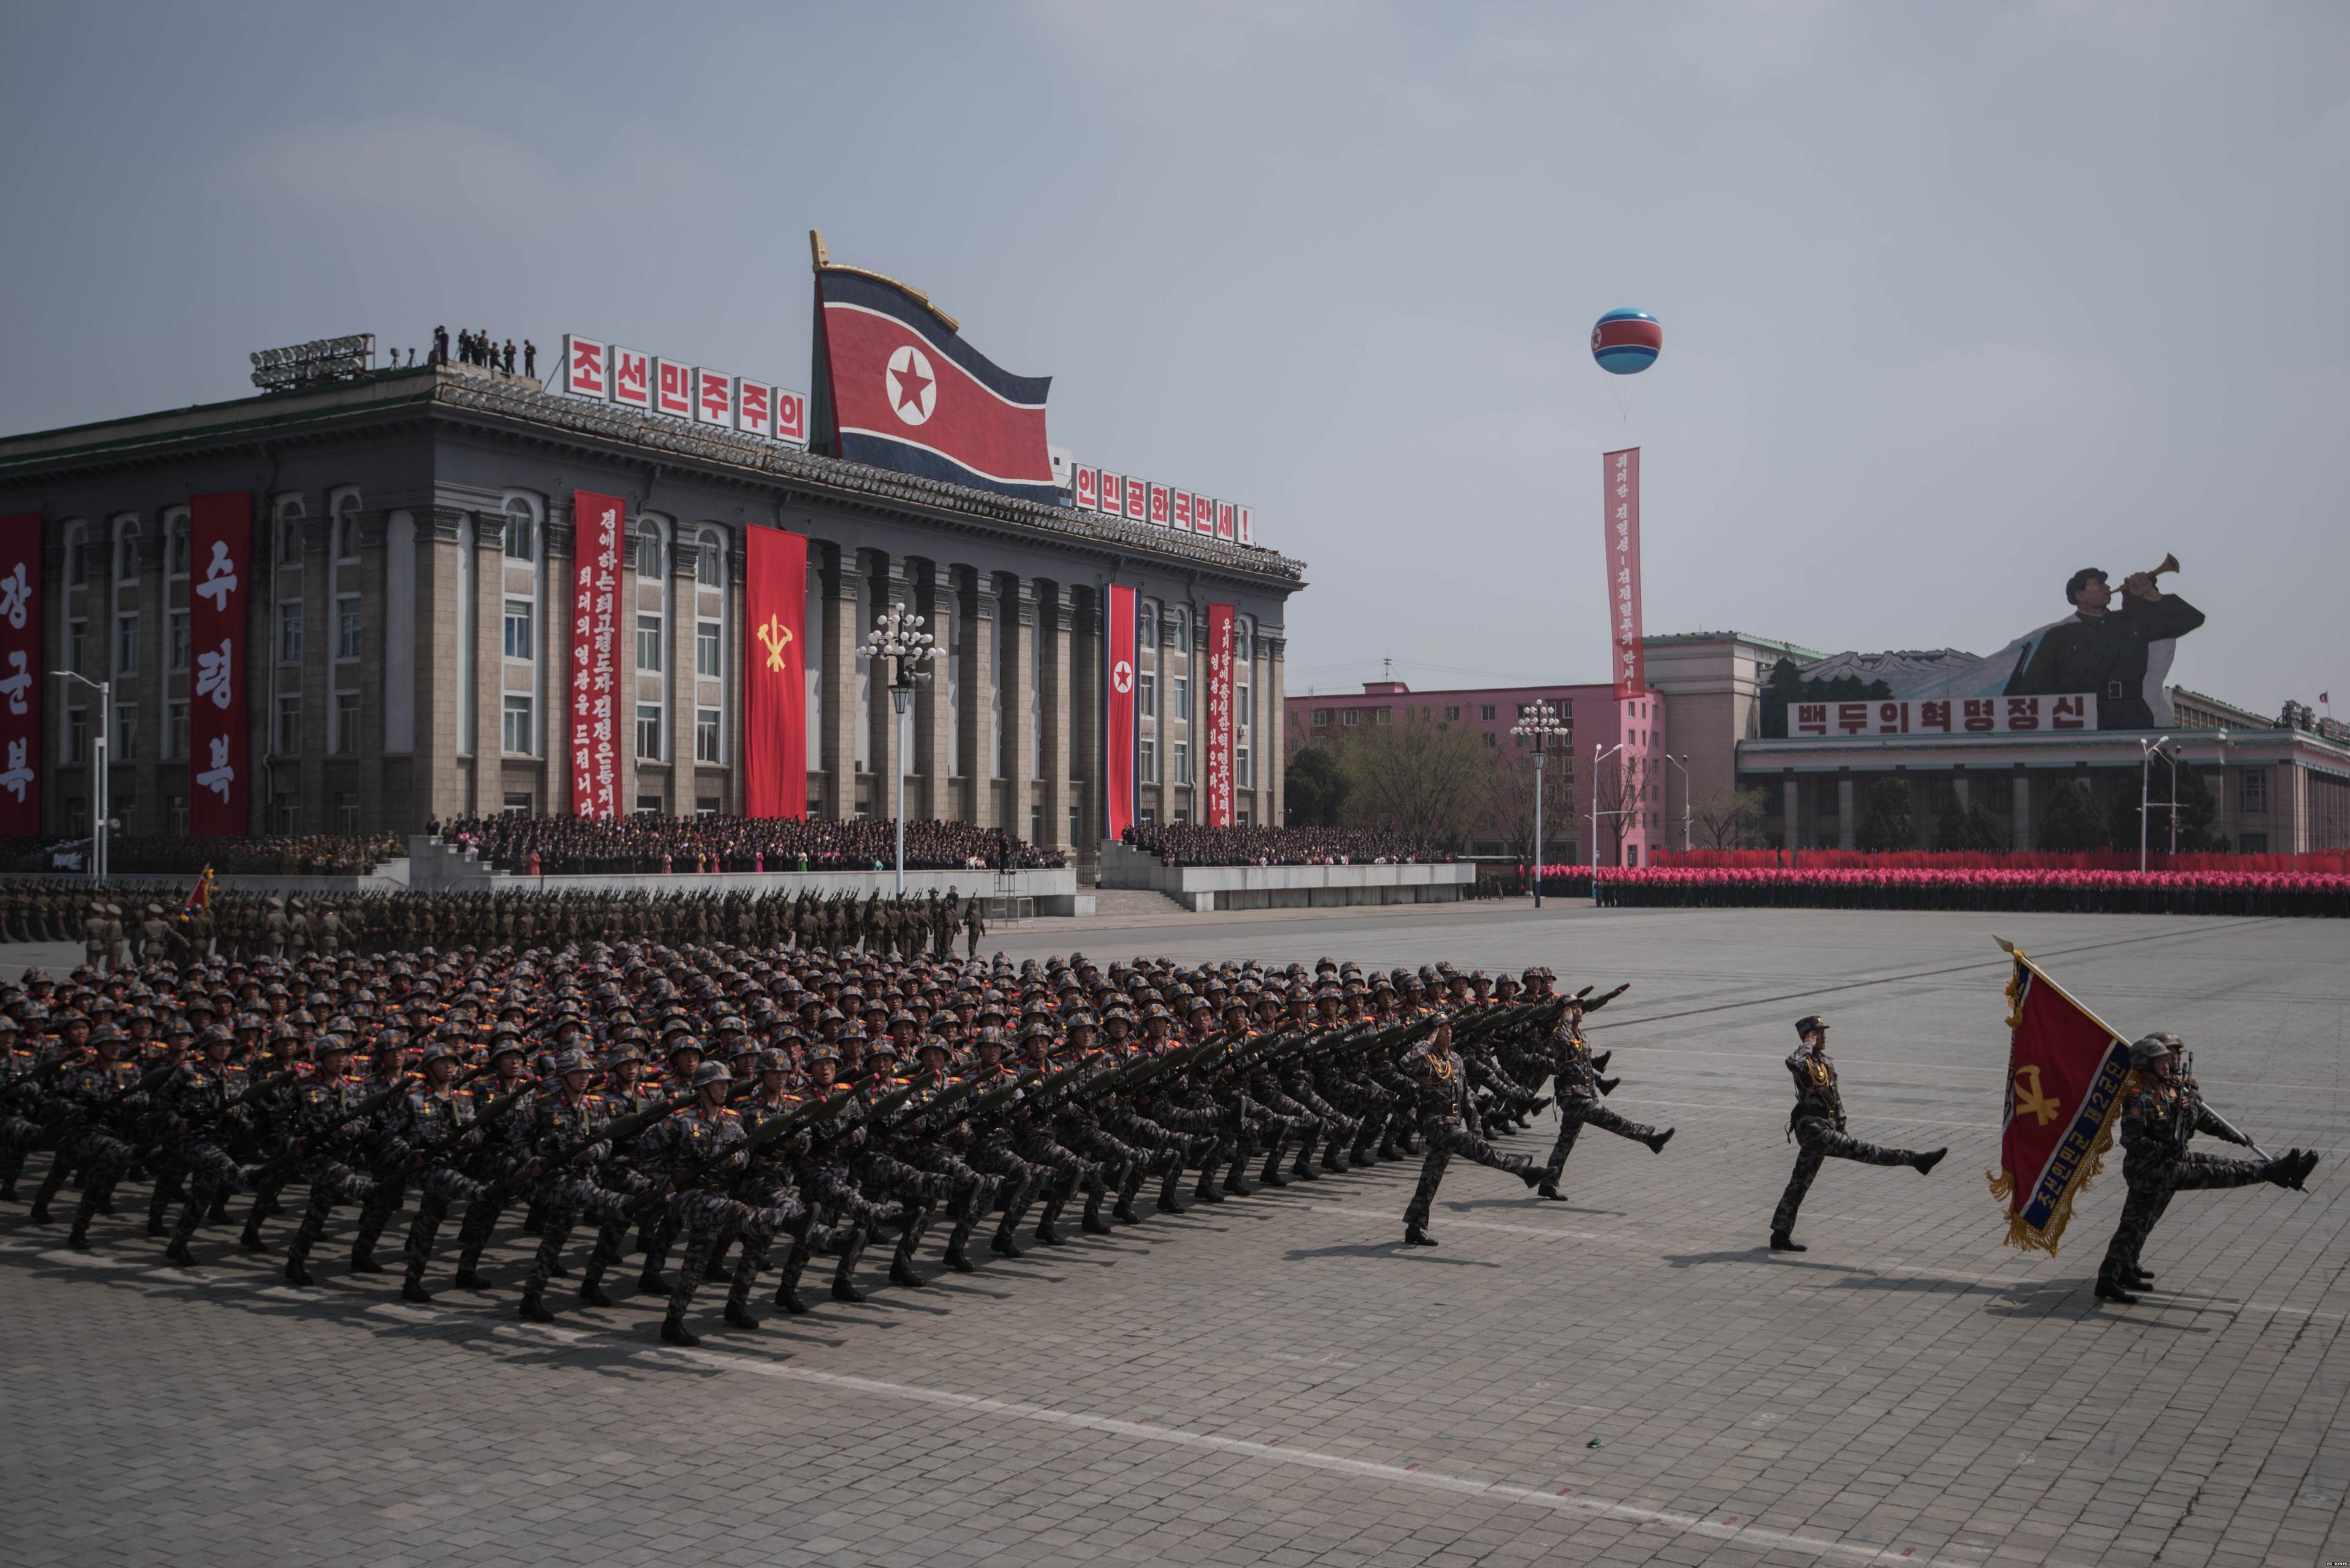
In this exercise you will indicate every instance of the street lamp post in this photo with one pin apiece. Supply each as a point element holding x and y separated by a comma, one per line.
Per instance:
<point>1597,757</point>
<point>2146,749</point>
<point>1682,762</point>
<point>898,636</point>
<point>1542,725</point>
<point>101,748</point>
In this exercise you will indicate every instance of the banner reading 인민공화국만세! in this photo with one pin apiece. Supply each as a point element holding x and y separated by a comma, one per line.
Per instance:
<point>1220,715</point>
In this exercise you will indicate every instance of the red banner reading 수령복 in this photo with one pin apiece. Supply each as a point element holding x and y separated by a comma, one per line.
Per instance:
<point>775,706</point>
<point>1620,499</point>
<point>1118,716</point>
<point>20,675</point>
<point>1220,715</point>
<point>220,551</point>
<point>594,664</point>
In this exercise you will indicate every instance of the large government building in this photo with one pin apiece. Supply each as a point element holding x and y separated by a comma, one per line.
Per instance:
<point>410,624</point>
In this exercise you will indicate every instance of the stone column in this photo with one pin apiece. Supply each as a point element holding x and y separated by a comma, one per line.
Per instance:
<point>2022,834</point>
<point>841,637</point>
<point>1276,749</point>
<point>146,775</point>
<point>1847,822</point>
<point>981,612</point>
<point>683,610</point>
<point>1019,630</point>
<point>893,585</point>
<point>1053,794</point>
<point>933,766</point>
<point>1085,690</point>
<point>489,663</point>
<point>367,579</point>
<point>441,780</point>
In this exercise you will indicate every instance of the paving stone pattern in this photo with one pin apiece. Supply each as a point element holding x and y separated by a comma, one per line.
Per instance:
<point>1626,1378</point>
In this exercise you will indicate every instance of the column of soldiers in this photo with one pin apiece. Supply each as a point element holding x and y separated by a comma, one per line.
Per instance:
<point>730,1114</point>
<point>118,926</point>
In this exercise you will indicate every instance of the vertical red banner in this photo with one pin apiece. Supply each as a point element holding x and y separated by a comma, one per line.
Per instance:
<point>774,678</point>
<point>20,676</point>
<point>1621,504</point>
<point>1117,718</point>
<point>220,556</point>
<point>596,533</point>
<point>1218,805</point>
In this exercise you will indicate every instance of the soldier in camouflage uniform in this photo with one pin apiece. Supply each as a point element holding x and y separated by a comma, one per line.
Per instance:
<point>1816,1121</point>
<point>1440,1085</point>
<point>1578,1086</point>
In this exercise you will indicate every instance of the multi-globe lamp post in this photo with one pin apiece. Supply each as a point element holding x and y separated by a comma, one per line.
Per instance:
<point>1542,727</point>
<point>898,636</point>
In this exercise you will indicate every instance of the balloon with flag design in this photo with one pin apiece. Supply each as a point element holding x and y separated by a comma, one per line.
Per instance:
<point>1627,342</point>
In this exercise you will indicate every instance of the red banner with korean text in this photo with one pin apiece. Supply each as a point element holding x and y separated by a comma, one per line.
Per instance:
<point>1620,499</point>
<point>1218,805</point>
<point>220,552</point>
<point>2066,1070</point>
<point>774,682</point>
<point>20,675</point>
<point>1118,717</point>
<point>597,531</point>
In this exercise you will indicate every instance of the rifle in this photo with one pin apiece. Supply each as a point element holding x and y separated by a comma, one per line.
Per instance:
<point>613,1131</point>
<point>357,1113</point>
<point>2228,1129</point>
<point>251,1091</point>
<point>482,1118</point>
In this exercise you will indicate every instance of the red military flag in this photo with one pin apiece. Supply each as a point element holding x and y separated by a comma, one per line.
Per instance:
<point>2065,1071</point>
<point>774,664</point>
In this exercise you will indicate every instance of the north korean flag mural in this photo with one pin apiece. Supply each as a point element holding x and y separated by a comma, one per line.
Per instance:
<point>1119,721</point>
<point>20,675</point>
<point>774,708</point>
<point>220,540</point>
<point>897,387</point>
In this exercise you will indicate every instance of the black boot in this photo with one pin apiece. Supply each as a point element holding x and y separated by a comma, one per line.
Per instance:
<point>959,1260</point>
<point>901,1273</point>
<point>673,1333</point>
<point>1549,1189</point>
<point>533,1310</point>
<point>412,1290</point>
<point>1925,1163</point>
<point>363,1261</point>
<point>1657,1141</point>
<point>1535,1176</point>
<point>740,1318</point>
<point>1414,1236</point>
<point>2109,1292</point>
<point>1003,1246</point>
<point>179,1253</point>
<point>470,1280</point>
<point>592,1294</point>
<point>1782,1242</point>
<point>653,1284</point>
<point>296,1274</point>
<point>1123,1212</point>
<point>788,1297</point>
<point>250,1237</point>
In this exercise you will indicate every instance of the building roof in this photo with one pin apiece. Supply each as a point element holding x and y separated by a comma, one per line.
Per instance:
<point>164,435</point>
<point>1792,650</point>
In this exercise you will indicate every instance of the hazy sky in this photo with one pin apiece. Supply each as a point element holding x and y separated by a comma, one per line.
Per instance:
<point>1956,297</point>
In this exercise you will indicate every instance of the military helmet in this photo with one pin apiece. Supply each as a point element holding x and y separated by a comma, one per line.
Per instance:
<point>573,1061</point>
<point>710,1072</point>
<point>2145,1052</point>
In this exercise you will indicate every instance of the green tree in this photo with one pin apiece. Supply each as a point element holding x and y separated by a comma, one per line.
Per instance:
<point>1969,827</point>
<point>1315,788</point>
<point>1885,824</point>
<point>2074,822</point>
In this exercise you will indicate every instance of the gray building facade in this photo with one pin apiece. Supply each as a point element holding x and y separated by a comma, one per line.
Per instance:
<point>409,631</point>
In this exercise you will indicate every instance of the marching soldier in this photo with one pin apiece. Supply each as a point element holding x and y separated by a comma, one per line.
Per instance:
<point>2161,1110</point>
<point>1579,1086</point>
<point>1440,1086</point>
<point>1816,1121</point>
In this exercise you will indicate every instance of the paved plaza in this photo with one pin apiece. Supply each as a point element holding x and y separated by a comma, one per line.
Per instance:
<point>1629,1377</point>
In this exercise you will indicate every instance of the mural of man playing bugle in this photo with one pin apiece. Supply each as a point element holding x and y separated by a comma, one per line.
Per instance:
<point>2121,653</point>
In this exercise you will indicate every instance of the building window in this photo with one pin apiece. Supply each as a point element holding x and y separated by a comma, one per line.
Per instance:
<point>705,649</point>
<point>289,540</point>
<point>175,810</point>
<point>1243,708</point>
<point>126,645</point>
<point>77,647</point>
<point>289,632</point>
<point>347,811</point>
<point>289,726</point>
<point>706,805</point>
<point>179,630</point>
<point>284,814</point>
<point>1149,761</point>
<point>705,735</point>
<point>126,734</point>
<point>709,562</point>
<point>346,626</point>
<point>2252,791</point>
<point>1181,692</point>
<point>1321,718</point>
<point>78,734</point>
<point>649,806</point>
<point>522,539</point>
<point>518,802</point>
<point>649,552</point>
<point>175,730</point>
<point>518,638</point>
<point>1349,717</point>
<point>1182,761</point>
<point>649,642</point>
<point>1146,693</point>
<point>347,724</point>
<point>1150,817</point>
<point>2252,843</point>
<point>1450,714</point>
<point>1383,716</point>
<point>518,730</point>
<point>175,544</point>
<point>1243,769</point>
<point>1490,740</point>
<point>648,731</point>
<point>1487,712</point>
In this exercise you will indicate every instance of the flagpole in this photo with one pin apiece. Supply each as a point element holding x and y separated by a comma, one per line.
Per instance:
<point>2050,981</point>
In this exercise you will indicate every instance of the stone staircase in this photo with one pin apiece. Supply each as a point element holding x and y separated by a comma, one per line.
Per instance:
<point>1136,901</point>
